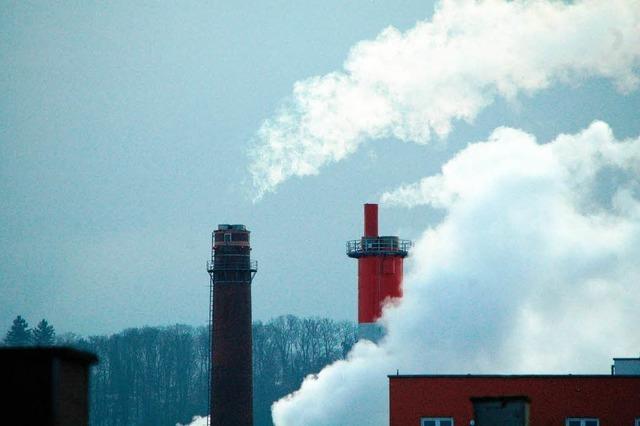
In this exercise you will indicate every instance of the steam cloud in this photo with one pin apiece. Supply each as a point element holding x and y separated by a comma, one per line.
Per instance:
<point>197,421</point>
<point>533,269</point>
<point>410,85</point>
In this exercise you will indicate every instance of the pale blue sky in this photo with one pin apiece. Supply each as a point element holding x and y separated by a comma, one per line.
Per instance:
<point>124,129</point>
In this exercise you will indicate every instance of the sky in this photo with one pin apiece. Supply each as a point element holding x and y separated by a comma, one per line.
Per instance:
<point>125,129</point>
<point>129,130</point>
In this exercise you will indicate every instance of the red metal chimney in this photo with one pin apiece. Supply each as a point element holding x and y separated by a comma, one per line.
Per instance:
<point>370,220</point>
<point>231,271</point>
<point>380,269</point>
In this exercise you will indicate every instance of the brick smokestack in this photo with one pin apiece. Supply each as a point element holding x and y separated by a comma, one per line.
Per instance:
<point>231,271</point>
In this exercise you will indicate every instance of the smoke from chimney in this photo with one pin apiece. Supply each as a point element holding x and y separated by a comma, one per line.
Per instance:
<point>412,85</point>
<point>534,269</point>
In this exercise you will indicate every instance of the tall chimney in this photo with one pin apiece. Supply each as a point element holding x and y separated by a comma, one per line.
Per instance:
<point>380,269</point>
<point>231,271</point>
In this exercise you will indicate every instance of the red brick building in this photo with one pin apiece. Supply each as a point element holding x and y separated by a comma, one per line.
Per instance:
<point>556,400</point>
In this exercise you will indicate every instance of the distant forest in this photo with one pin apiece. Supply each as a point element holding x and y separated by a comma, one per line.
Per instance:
<point>158,375</point>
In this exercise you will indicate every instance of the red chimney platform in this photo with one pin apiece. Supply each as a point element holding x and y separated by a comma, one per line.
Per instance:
<point>380,270</point>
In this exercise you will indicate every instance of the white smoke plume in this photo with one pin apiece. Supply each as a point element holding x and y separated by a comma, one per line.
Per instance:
<point>412,84</point>
<point>197,421</point>
<point>533,269</point>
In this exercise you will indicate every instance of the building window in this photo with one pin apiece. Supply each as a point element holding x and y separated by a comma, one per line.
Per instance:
<point>576,421</point>
<point>227,238</point>
<point>436,421</point>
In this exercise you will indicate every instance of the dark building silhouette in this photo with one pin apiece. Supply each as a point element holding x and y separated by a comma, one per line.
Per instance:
<point>231,271</point>
<point>45,386</point>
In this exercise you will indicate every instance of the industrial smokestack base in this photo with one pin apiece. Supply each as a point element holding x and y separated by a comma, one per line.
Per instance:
<point>231,271</point>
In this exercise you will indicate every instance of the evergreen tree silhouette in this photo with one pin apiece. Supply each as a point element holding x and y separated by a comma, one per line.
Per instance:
<point>44,334</point>
<point>19,334</point>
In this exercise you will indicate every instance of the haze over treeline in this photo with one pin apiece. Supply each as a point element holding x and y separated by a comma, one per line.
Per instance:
<point>159,375</point>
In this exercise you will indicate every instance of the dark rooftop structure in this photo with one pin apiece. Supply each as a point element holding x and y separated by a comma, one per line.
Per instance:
<point>46,386</point>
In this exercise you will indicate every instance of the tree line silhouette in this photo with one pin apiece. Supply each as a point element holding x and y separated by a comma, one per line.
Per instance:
<point>159,375</point>
<point>21,335</point>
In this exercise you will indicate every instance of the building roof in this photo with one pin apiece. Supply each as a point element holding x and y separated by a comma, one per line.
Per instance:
<point>508,376</point>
